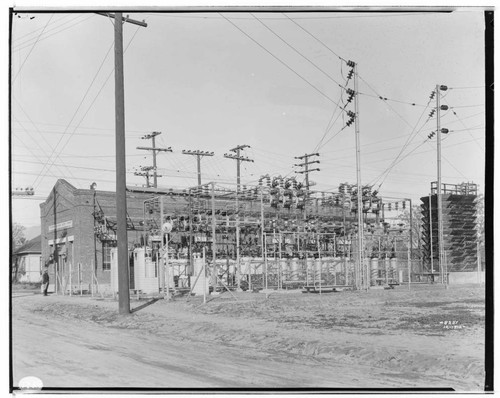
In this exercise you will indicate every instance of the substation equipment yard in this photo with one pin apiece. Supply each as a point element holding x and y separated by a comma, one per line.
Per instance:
<point>277,236</point>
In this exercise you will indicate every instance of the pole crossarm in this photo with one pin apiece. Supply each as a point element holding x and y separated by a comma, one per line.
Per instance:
<point>306,156</point>
<point>169,149</point>
<point>239,147</point>
<point>152,136</point>
<point>235,157</point>
<point>306,164</point>
<point>124,19</point>
<point>306,171</point>
<point>199,154</point>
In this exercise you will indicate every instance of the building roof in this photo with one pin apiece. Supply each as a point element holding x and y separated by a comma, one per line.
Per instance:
<point>33,246</point>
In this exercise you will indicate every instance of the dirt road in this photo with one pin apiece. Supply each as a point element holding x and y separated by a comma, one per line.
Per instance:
<point>284,341</point>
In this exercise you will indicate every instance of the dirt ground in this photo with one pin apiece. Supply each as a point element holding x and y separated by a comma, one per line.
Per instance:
<point>426,337</point>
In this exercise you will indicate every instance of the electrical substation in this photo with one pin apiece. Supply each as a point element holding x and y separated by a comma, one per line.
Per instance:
<point>276,235</point>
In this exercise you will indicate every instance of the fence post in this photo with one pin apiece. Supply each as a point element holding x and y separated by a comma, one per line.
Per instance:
<point>92,278</point>
<point>409,267</point>
<point>478,263</point>
<point>80,277</point>
<point>70,279</point>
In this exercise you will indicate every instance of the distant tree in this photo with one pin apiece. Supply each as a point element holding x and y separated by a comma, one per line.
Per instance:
<point>416,225</point>
<point>480,217</point>
<point>18,235</point>
<point>18,239</point>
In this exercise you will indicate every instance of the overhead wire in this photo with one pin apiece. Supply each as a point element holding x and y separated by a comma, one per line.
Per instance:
<point>30,150</point>
<point>465,127</point>
<point>33,32</point>
<point>98,93</point>
<point>52,132</point>
<point>412,135</point>
<point>16,42</point>
<point>44,152</point>
<point>447,161</point>
<point>19,48</point>
<point>330,123</point>
<point>464,88</point>
<point>313,36</point>
<point>297,51</point>
<point>281,61</point>
<point>35,126</point>
<point>383,98</point>
<point>54,151</point>
<point>31,50</point>
<point>127,131</point>
<point>368,14</point>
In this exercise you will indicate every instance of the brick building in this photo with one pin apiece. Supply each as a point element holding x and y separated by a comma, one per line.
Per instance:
<point>69,246</point>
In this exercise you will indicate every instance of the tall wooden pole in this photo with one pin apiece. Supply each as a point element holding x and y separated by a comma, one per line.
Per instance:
<point>162,250</point>
<point>360,268</point>
<point>237,150</point>
<point>121,181</point>
<point>439,197</point>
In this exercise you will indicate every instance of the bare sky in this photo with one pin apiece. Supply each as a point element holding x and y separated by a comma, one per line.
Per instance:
<point>212,81</point>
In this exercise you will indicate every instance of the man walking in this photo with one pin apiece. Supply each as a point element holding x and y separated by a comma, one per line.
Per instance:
<point>45,281</point>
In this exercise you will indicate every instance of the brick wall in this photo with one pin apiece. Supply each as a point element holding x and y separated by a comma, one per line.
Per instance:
<point>77,206</point>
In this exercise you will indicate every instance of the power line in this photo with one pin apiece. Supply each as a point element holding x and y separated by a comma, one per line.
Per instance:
<point>36,141</point>
<point>383,98</point>
<point>467,106</point>
<point>31,50</point>
<point>55,33</point>
<point>98,93</point>
<point>74,115</point>
<point>154,149</point>
<point>80,127</point>
<point>306,165</point>
<point>330,124</point>
<point>464,88</point>
<point>280,61</point>
<point>16,42</point>
<point>54,132</point>
<point>466,129</point>
<point>298,52</point>
<point>408,141</point>
<point>355,15</point>
<point>342,87</point>
<point>333,136</point>
<point>313,36</point>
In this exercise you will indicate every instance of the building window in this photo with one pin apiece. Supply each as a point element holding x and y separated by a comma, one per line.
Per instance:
<point>106,256</point>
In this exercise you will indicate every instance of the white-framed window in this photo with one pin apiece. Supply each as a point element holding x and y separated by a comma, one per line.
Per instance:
<point>106,256</point>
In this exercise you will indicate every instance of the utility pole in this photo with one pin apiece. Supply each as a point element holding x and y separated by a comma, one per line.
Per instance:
<point>355,116</point>
<point>121,177</point>
<point>199,155</point>
<point>145,172</point>
<point>238,159</point>
<point>93,188</point>
<point>237,150</point>
<point>306,164</point>
<point>442,261</point>
<point>154,149</point>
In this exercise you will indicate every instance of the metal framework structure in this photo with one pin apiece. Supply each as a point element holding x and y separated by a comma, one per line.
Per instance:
<point>273,235</point>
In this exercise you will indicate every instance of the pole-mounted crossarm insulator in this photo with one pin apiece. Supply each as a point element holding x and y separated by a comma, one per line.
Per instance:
<point>239,147</point>
<point>169,149</point>
<point>124,19</point>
